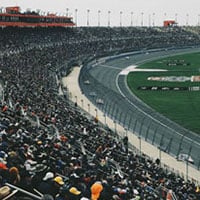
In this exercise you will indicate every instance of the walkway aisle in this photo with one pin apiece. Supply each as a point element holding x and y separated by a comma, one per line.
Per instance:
<point>71,82</point>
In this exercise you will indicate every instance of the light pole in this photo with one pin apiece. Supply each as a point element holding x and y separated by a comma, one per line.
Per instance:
<point>96,117</point>
<point>140,145</point>
<point>76,99</point>
<point>160,154</point>
<point>96,112</point>
<point>160,148</point>
<point>105,118</point>
<point>153,19</point>
<point>176,15</point>
<point>187,19</point>
<point>67,11</point>
<point>82,103</point>
<point>88,19</point>
<point>76,10</point>
<point>121,18</point>
<point>187,159</point>
<point>70,95</point>
<point>142,18</point>
<point>141,125</point>
<point>165,16</point>
<point>88,108</point>
<point>149,20</point>
<point>109,18</point>
<point>115,126</point>
<point>131,18</point>
<point>126,132</point>
<point>99,12</point>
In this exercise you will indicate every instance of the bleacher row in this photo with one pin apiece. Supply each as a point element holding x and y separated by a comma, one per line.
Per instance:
<point>49,149</point>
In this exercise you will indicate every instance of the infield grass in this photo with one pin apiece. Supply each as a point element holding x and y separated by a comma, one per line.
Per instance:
<point>182,107</point>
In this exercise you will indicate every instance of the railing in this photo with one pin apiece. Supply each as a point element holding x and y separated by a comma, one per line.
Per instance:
<point>18,189</point>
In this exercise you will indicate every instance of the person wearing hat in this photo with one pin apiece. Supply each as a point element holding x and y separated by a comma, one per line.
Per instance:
<point>14,176</point>
<point>45,186</point>
<point>74,193</point>
<point>50,184</point>
<point>3,166</point>
<point>63,193</point>
<point>4,191</point>
<point>56,185</point>
<point>58,180</point>
<point>96,189</point>
<point>69,193</point>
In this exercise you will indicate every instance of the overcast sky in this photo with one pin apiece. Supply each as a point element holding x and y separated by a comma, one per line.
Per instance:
<point>185,11</point>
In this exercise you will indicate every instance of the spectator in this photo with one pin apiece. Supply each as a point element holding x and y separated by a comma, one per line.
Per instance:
<point>45,186</point>
<point>14,176</point>
<point>96,190</point>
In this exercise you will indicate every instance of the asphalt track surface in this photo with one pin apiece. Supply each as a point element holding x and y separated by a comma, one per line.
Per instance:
<point>129,111</point>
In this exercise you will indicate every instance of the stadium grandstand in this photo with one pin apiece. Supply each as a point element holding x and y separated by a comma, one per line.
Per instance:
<point>51,149</point>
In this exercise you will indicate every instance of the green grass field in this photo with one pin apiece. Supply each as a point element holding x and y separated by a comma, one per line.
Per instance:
<point>181,106</point>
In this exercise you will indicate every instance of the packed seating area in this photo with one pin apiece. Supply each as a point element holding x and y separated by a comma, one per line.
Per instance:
<point>50,149</point>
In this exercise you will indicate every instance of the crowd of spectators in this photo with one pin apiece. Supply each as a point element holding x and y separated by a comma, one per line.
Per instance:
<point>48,147</point>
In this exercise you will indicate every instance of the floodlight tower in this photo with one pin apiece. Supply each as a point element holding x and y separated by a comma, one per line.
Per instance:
<point>88,17</point>
<point>121,18</point>
<point>131,18</point>
<point>109,18</point>
<point>99,12</point>
<point>142,14</point>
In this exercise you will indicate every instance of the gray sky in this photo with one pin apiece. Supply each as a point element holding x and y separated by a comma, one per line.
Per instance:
<point>185,11</point>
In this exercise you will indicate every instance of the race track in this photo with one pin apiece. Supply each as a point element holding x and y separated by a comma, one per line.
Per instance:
<point>106,83</point>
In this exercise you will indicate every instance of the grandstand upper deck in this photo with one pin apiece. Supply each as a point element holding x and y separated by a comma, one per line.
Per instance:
<point>130,37</point>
